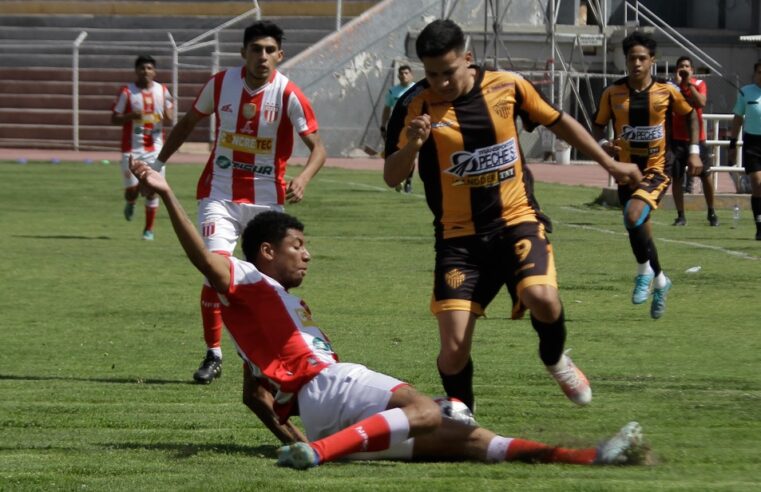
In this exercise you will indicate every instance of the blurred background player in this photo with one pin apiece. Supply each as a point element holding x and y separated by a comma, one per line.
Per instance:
<point>348,410</point>
<point>141,108</point>
<point>747,114</point>
<point>460,122</point>
<point>695,91</point>
<point>406,81</point>
<point>257,109</point>
<point>640,107</point>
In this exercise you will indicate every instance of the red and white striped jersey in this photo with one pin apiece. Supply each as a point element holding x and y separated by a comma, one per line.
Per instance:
<point>146,135</point>
<point>274,332</point>
<point>254,136</point>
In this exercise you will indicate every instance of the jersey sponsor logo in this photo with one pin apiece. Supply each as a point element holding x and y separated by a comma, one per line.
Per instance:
<point>262,170</point>
<point>223,162</point>
<point>442,123</point>
<point>454,278</point>
<point>642,133</point>
<point>227,108</point>
<point>483,160</point>
<point>322,345</point>
<point>503,108</point>
<point>246,143</point>
<point>271,112</point>
<point>486,180</point>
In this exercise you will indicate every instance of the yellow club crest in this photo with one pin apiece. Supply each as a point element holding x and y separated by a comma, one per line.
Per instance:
<point>249,110</point>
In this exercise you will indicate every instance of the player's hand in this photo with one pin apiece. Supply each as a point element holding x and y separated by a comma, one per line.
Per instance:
<point>732,157</point>
<point>612,148</point>
<point>626,173</point>
<point>419,130</point>
<point>694,165</point>
<point>150,180</point>
<point>294,193</point>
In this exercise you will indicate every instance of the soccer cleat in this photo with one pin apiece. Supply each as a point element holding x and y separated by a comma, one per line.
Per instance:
<point>299,455</point>
<point>658,307</point>
<point>210,369</point>
<point>408,186</point>
<point>680,221</point>
<point>147,235</point>
<point>398,188</point>
<point>621,449</point>
<point>758,236</point>
<point>713,220</point>
<point>641,288</point>
<point>572,381</point>
<point>129,210</point>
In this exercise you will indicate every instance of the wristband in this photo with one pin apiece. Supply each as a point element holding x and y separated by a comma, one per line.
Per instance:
<point>159,164</point>
<point>732,143</point>
<point>603,142</point>
<point>694,149</point>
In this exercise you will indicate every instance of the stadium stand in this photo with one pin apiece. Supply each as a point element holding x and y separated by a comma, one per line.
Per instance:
<point>36,44</point>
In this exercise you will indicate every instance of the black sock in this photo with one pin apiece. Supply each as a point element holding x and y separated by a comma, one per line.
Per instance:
<point>551,339</point>
<point>460,385</point>
<point>652,253</point>
<point>639,243</point>
<point>755,205</point>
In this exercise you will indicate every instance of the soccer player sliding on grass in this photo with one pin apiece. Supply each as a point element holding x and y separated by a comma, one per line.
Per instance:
<point>348,410</point>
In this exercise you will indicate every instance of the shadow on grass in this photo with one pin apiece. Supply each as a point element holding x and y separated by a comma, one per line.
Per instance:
<point>8,377</point>
<point>190,450</point>
<point>59,236</point>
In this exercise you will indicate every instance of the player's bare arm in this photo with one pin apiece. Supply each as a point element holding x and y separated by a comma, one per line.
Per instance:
<point>694,164</point>
<point>258,398</point>
<point>180,134</point>
<point>398,165</point>
<point>610,148</point>
<point>734,134</point>
<point>216,268</point>
<point>317,155</point>
<point>122,118</point>
<point>572,132</point>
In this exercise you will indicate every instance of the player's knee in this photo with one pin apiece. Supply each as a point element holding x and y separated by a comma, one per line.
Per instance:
<point>543,301</point>
<point>454,359</point>
<point>635,215</point>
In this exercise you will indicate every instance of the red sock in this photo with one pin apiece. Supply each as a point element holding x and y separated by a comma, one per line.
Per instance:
<point>150,216</point>
<point>374,433</point>
<point>532,451</point>
<point>211,316</point>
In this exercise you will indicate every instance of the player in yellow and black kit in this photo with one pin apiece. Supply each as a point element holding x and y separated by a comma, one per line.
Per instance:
<point>489,229</point>
<point>640,108</point>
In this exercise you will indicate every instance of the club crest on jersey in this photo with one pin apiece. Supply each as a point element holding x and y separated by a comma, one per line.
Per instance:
<point>223,162</point>
<point>483,160</point>
<point>249,110</point>
<point>502,108</point>
<point>271,112</point>
<point>642,133</point>
<point>207,229</point>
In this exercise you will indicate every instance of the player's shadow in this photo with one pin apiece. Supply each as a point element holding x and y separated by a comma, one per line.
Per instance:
<point>268,451</point>
<point>60,236</point>
<point>9,377</point>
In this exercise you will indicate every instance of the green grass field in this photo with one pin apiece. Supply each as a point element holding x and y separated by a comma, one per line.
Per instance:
<point>102,333</point>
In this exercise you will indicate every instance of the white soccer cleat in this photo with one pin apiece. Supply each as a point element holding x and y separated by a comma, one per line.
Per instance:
<point>572,381</point>
<point>299,455</point>
<point>622,448</point>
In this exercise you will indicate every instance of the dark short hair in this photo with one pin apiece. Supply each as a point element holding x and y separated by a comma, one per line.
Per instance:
<point>684,58</point>
<point>439,38</point>
<point>639,39</point>
<point>756,65</point>
<point>143,59</point>
<point>403,67</point>
<point>263,29</point>
<point>267,227</point>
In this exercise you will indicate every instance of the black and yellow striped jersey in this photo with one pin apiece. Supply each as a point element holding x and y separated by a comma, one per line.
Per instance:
<point>641,120</point>
<point>472,165</point>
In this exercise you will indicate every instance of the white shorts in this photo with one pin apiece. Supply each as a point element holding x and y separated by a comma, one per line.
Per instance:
<point>128,178</point>
<point>222,221</point>
<point>341,395</point>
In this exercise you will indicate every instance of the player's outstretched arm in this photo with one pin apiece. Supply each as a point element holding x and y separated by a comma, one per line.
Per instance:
<point>260,401</point>
<point>572,132</point>
<point>216,268</point>
<point>317,156</point>
<point>179,134</point>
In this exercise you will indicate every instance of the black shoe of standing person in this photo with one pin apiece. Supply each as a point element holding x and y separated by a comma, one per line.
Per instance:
<point>680,221</point>
<point>209,370</point>
<point>408,186</point>
<point>713,220</point>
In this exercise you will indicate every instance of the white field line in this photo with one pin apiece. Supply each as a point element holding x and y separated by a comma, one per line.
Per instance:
<point>730,252</point>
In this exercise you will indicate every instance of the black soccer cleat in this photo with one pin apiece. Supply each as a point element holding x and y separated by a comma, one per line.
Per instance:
<point>680,221</point>
<point>713,220</point>
<point>209,370</point>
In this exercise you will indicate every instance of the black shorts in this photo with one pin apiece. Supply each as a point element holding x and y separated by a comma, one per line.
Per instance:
<point>751,153</point>
<point>471,270</point>
<point>651,189</point>
<point>678,156</point>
